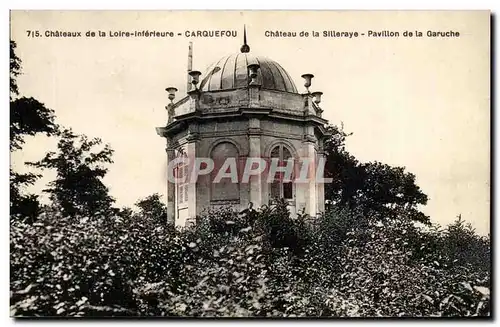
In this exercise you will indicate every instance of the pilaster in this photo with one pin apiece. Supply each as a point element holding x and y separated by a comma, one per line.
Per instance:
<point>192,153</point>
<point>320,186</point>
<point>171,216</point>
<point>254,140</point>
<point>309,152</point>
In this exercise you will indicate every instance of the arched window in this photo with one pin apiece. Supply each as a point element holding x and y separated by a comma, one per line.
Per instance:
<point>281,189</point>
<point>225,157</point>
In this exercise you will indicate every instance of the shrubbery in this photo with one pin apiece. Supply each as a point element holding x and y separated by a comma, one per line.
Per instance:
<point>261,263</point>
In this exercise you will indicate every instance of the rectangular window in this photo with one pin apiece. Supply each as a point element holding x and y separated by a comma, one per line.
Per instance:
<point>280,188</point>
<point>275,190</point>
<point>287,190</point>
<point>182,186</point>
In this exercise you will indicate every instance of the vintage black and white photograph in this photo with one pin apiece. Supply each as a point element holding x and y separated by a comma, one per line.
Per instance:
<point>250,164</point>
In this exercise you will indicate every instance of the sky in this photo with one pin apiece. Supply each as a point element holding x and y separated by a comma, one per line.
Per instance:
<point>422,103</point>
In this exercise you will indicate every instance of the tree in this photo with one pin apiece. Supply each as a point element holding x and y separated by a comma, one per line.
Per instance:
<point>21,205</point>
<point>27,117</point>
<point>152,207</point>
<point>15,69</point>
<point>378,189</point>
<point>391,192</point>
<point>343,168</point>
<point>461,245</point>
<point>78,187</point>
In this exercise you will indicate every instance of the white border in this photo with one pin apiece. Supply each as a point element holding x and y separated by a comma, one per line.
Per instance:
<point>194,5</point>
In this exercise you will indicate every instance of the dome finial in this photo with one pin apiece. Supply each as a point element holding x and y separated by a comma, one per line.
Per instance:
<point>245,48</point>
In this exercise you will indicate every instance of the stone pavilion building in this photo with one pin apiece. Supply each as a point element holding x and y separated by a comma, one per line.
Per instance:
<point>244,106</point>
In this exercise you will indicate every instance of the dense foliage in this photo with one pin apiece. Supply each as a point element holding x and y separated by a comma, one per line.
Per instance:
<point>153,207</point>
<point>261,263</point>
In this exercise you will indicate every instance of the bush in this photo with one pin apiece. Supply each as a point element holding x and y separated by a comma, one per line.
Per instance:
<point>71,266</point>
<point>258,263</point>
<point>383,279</point>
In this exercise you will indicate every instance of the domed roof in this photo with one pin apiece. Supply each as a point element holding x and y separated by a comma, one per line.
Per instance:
<point>231,72</point>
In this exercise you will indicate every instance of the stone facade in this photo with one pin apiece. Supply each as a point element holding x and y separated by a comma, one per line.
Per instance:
<point>244,112</point>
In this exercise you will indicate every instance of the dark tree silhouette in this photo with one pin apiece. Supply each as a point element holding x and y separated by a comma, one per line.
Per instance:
<point>377,189</point>
<point>15,69</point>
<point>78,187</point>
<point>27,117</point>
